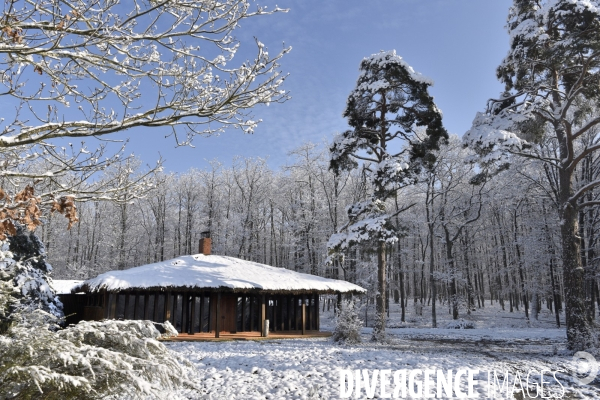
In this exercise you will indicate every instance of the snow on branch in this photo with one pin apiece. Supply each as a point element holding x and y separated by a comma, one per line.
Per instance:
<point>83,68</point>
<point>368,220</point>
<point>551,73</point>
<point>492,137</point>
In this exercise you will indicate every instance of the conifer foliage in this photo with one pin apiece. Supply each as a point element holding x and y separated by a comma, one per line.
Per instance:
<point>91,360</point>
<point>549,113</point>
<point>28,271</point>
<point>385,109</point>
<point>23,266</point>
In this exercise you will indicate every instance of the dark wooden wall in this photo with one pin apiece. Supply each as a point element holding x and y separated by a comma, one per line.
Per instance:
<point>194,312</point>
<point>73,307</point>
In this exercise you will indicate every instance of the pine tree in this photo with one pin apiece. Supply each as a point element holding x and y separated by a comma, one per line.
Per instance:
<point>552,90</point>
<point>30,274</point>
<point>347,323</point>
<point>24,284</point>
<point>384,110</point>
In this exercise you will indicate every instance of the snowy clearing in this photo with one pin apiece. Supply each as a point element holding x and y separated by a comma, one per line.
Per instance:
<point>310,368</point>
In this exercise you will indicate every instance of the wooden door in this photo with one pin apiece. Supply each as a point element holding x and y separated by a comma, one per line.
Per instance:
<point>227,312</point>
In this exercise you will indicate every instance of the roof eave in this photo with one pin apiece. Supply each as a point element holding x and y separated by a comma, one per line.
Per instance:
<point>89,290</point>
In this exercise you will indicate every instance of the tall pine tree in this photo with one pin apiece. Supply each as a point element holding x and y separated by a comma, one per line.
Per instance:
<point>551,99</point>
<point>385,109</point>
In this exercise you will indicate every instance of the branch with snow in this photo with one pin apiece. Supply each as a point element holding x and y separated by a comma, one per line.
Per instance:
<point>161,64</point>
<point>368,221</point>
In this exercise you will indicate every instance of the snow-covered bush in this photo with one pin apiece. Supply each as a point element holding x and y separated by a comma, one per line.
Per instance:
<point>460,324</point>
<point>347,324</point>
<point>24,285</point>
<point>30,273</point>
<point>88,360</point>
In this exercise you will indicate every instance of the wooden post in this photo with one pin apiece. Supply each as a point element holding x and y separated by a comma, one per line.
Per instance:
<point>309,313</point>
<point>155,311</point>
<point>297,305</point>
<point>217,314</point>
<point>174,314</point>
<point>126,305</point>
<point>192,324</point>
<point>167,304</point>
<point>290,306</point>
<point>117,302</point>
<point>304,314</point>
<point>184,311</point>
<point>146,301</point>
<point>243,312</point>
<point>252,311</point>
<point>273,323</point>
<point>105,304</point>
<point>136,303</point>
<point>282,321</point>
<point>263,315</point>
<point>235,314</point>
<point>113,305</point>
<point>200,328</point>
<point>211,300</point>
<point>317,298</point>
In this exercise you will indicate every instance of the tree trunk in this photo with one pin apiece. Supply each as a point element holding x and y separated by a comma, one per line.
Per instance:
<point>379,326</point>
<point>402,292</point>
<point>432,280</point>
<point>579,335</point>
<point>428,204</point>
<point>451,268</point>
<point>470,293</point>
<point>520,264</point>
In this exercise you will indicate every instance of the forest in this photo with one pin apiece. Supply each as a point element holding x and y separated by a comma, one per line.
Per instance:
<point>502,237</point>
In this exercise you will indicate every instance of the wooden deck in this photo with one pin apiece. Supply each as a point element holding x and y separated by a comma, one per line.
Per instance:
<point>224,336</point>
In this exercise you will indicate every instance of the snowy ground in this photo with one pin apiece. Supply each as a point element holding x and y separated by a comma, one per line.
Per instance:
<point>310,368</point>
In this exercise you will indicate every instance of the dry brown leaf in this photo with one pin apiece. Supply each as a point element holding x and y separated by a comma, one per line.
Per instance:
<point>56,207</point>
<point>25,210</point>
<point>25,194</point>
<point>8,227</point>
<point>66,205</point>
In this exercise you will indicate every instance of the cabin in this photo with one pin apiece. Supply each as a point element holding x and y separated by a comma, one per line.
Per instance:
<point>208,295</point>
<point>72,303</point>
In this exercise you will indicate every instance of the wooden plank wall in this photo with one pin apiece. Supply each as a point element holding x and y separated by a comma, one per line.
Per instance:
<point>193,312</point>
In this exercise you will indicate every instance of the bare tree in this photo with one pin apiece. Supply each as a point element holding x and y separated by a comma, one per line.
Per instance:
<point>84,69</point>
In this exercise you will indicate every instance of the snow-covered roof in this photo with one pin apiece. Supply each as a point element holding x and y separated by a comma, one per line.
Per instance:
<point>212,272</point>
<point>64,286</point>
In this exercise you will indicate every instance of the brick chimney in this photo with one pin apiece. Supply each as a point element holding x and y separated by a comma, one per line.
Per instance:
<point>205,243</point>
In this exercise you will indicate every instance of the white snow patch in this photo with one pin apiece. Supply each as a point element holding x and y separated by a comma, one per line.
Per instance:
<point>64,286</point>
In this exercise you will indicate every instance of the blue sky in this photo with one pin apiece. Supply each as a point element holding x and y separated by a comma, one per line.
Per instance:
<point>457,43</point>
